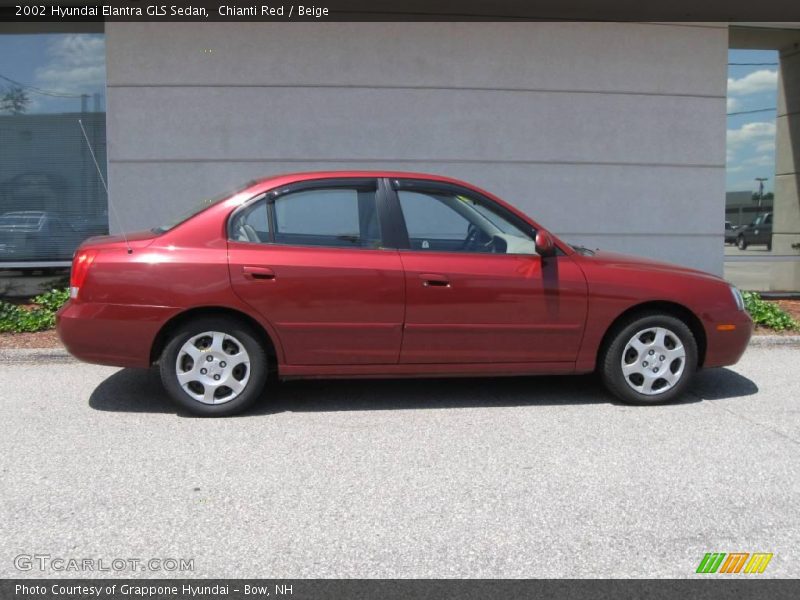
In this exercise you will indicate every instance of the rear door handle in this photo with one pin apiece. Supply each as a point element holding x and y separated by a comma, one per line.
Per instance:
<point>258,272</point>
<point>434,280</point>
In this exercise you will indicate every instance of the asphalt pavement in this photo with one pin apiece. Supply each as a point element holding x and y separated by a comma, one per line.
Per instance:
<point>524,477</point>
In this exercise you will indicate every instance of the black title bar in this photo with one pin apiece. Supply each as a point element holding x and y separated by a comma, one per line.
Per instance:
<point>401,10</point>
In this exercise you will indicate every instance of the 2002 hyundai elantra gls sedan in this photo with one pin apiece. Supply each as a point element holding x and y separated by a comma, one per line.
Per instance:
<point>386,274</point>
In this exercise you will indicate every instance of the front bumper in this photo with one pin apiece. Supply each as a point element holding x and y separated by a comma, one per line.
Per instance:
<point>725,346</point>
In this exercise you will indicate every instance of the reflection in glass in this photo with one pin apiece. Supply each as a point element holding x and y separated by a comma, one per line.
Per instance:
<point>51,196</point>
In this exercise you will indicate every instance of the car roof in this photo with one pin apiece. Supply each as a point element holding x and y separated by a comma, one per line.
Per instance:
<point>286,178</point>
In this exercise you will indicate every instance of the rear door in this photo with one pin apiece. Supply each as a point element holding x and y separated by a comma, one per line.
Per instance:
<point>311,259</point>
<point>477,292</point>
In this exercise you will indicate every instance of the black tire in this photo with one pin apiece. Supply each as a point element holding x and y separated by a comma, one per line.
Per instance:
<point>610,363</point>
<point>256,373</point>
<point>741,243</point>
<point>769,247</point>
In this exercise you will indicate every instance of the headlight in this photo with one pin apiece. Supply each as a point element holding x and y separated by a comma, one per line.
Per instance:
<point>737,297</point>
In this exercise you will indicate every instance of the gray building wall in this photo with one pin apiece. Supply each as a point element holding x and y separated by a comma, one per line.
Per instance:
<point>612,135</point>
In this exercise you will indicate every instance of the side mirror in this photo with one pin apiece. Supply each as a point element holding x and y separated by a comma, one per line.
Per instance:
<point>544,244</point>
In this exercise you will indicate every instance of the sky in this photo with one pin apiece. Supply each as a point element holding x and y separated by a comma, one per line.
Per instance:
<point>751,137</point>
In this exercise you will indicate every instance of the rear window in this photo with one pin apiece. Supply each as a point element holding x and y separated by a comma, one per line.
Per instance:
<point>198,208</point>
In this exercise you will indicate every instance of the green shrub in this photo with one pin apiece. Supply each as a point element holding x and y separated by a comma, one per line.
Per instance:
<point>52,300</point>
<point>18,319</point>
<point>768,314</point>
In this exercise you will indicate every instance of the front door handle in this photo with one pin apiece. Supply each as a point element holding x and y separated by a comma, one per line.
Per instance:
<point>434,280</point>
<point>258,272</point>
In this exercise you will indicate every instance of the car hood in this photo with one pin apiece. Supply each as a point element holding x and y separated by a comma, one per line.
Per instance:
<point>640,263</point>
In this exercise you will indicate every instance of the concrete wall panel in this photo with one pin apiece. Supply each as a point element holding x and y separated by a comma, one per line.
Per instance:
<point>367,124</point>
<point>680,59</point>
<point>612,134</point>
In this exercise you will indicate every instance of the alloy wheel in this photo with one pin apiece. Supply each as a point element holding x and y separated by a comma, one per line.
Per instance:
<point>653,361</point>
<point>213,367</point>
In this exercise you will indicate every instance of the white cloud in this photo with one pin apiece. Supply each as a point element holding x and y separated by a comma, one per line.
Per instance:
<point>761,160</point>
<point>751,133</point>
<point>733,104</point>
<point>766,146</point>
<point>764,80</point>
<point>77,65</point>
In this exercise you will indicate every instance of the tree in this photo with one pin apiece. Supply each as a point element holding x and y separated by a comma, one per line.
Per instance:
<point>767,196</point>
<point>14,100</point>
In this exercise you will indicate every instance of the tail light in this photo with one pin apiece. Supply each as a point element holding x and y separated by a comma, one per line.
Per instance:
<point>80,269</point>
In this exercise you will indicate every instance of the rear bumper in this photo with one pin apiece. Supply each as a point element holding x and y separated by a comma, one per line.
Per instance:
<point>111,334</point>
<point>725,347</point>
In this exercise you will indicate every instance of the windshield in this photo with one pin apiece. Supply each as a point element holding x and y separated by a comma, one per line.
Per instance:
<point>582,250</point>
<point>198,208</point>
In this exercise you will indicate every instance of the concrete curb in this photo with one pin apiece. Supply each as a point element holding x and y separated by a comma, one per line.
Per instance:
<point>766,341</point>
<point>60,355</point>
<point>34,355</point>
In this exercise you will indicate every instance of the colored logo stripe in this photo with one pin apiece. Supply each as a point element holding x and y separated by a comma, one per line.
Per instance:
<point>734,562</point>
<point>713,562</point>
<point>758,562</point>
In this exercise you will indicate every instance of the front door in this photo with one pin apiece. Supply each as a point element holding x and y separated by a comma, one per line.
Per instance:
<point>476,291</point>
<point>310,260</point>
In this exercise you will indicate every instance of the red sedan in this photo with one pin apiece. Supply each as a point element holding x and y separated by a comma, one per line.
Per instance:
<point>386,274</point>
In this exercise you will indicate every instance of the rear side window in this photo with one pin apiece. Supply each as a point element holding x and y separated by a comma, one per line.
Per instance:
<point>337,217</point>
<point>251,224</point>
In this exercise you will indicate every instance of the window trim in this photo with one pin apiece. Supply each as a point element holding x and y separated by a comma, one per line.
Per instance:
<point>399,184</point>
<point>355,183</point>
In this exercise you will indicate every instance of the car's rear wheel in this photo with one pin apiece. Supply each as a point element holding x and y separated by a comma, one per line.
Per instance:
<point>214,367</point>
<point>741,243</point>
<point>650,359</point>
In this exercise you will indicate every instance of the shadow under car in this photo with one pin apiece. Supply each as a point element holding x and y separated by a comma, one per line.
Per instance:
<point>140,390</point>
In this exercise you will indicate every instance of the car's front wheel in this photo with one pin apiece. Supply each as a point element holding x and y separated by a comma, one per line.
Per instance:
<point>214,367</point>
<point>650,359</point>
<point>741,243</point>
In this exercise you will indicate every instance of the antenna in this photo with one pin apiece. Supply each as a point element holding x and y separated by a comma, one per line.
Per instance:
<point>105,187</point>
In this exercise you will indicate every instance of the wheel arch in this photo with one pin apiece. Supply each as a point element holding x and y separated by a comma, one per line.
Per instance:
<point>673,309</point>
<point>163,335</point>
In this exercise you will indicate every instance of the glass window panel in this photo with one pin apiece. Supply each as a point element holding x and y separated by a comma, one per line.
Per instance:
<point>338,217</point>
<point>51,196</point>
<point>450,222</point>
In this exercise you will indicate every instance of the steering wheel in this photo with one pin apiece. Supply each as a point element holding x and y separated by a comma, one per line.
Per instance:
<point>474,241</point>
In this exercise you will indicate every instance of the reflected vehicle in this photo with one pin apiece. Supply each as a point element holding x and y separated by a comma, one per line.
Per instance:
<point>757,233</point>
<point>730,232</point>
<point>386,274</point>
<point>31,235</point>
<point>90,225</point>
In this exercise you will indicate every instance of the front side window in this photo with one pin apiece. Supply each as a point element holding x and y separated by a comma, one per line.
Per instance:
<point>446,221</point>
<point>337,217</point>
